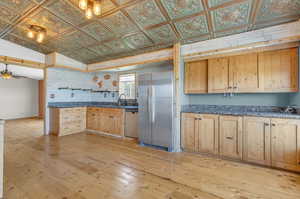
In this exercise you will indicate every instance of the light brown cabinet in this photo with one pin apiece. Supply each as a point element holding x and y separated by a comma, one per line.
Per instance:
<point>244,74</point>
<point>257,140</point>
<point>285,144</point>
<point>196,77</point>
<point>280,70</point>
<point>66,121</point>
<point>218,75</point>
<point>107,120</point>
<point>230,137</point>
<point>188,129</point>
<point>272,71</point>
<point>200,132</point>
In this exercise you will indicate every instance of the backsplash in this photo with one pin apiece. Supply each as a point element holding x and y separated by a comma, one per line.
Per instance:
<point>64,78</point>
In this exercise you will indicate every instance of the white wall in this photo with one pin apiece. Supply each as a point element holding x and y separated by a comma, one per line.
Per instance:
<point>18,98</point>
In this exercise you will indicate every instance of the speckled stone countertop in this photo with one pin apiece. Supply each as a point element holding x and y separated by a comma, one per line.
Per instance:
<point>129,108</point>
<point>259,111</point>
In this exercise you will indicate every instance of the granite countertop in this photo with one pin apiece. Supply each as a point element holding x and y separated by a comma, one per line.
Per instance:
<point>130,108</point>
<point>259,111</point>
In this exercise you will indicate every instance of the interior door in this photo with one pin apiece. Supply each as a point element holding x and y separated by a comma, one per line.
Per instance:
<point>257,148</point>
<point>161,108</point>
<point>144,94</point>
<point>231,136</point>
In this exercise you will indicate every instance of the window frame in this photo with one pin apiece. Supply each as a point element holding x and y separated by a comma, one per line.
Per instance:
<point>135,83</point>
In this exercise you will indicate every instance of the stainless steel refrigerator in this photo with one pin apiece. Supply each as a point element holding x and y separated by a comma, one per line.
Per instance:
<point>155,98</point>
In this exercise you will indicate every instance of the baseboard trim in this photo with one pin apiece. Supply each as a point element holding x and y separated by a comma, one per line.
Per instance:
<point>103,133</point>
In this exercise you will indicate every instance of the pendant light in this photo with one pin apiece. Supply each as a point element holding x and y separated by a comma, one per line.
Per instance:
<point>6,74</point>
<point>91,7</point>
<point>37,32</point>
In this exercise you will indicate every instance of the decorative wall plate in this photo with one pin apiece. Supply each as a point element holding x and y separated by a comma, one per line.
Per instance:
<point>95,78</point>
<point>115,83</point>
<point>107,76</point>
<point>100,84</point>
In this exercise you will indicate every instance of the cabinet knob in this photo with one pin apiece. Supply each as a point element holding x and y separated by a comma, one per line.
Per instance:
<point>267,124</point>
<point>230,87</point>
<point>273,124</point>
<point>229,138</point>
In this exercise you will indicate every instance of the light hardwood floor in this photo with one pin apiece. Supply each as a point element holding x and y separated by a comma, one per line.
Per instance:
<point>88,166</point>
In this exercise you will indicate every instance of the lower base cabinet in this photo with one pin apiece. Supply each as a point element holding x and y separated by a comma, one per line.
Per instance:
<point>230,142</point>
<point>107,120</point>
<point>265,141</point>
<point>200,133</point>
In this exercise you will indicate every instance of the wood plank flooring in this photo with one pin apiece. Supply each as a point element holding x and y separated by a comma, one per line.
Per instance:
<point>89,166</point>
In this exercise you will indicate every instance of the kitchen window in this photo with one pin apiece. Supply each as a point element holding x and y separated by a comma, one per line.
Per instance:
<point>127,85</point>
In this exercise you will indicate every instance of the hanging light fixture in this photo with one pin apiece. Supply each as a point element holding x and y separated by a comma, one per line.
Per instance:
<point>38,32</point>
<point>6,74</point>
<point>83,4</point>
<point>91,7</point>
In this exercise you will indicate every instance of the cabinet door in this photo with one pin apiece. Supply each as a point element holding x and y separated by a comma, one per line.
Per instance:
<point>117,125</point>
<point>92,119</point>
<point>285,144</point>
<point>218,79</point>
<point>256,145</point>
<point>206,135</point>
<point>244,73</point>
<point>280,70</point>
<point>107,122</point>
<point>196,77</point>
<point>231,137</point>
<point>188,131</point>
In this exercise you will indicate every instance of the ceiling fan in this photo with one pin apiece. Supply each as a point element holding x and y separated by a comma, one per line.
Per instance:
<point>5,74</point>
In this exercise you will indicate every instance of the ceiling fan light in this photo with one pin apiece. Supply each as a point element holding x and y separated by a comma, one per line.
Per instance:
<point>97,7</point>
<point>30,34</point>
<point>89,12</point>
<point>83,4</point>
<point>40,37</point>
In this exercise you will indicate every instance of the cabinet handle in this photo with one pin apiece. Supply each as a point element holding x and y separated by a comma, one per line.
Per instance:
<point>229,87</point>
<point>111,116</point>
<point>273,124</point>
<point>267,124</point>
<point>235,87</point>
<point>229,138</point>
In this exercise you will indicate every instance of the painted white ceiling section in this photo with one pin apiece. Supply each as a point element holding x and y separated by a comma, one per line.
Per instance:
<point>13,50</point>
<point>32,73</point>
<point>283,31</point>
<point>66,61</point>
<point>156,56</point>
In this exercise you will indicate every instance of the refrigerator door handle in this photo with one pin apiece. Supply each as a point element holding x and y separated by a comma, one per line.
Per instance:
<point>149,101</point>
<point>153,104</point>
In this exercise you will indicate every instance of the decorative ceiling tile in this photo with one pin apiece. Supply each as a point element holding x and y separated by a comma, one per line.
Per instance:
<point>25,43</point>
<point>18,6</point>
<point>192,26</point>
<point>85,54</point>
<point>213,3</point>
<point>231,16</point>
<point>195,39</point>
<point>7,14</point>
<point>146,13</point>
<point>43,18</point>
<point>119,23</point>
<point>3,25</point>
<point>79,39</point>
<point>101,50</point>
<point>66,11</point>
<point>230,32</point>
<point>118,46</point>
<point>122,1</point>
<point>181,8</point>
<point>275,8</point>
<point>98,31</point>
<point>138,40</point>
<point>57,45</point>
<point>275,22</point>
<point>162,34</point>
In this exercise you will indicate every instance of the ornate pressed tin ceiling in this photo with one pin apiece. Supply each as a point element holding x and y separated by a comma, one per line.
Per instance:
<point>129,27</point>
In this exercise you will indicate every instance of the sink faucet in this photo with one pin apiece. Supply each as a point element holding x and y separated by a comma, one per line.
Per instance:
<point>290,109</point>
<point>119,99</point>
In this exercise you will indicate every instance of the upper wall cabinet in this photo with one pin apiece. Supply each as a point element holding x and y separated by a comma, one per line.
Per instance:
<point>273,71</point>
<point>280,70</point>
<point>196,77</point>
<point>244,73</point>
<point>218,75</point>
